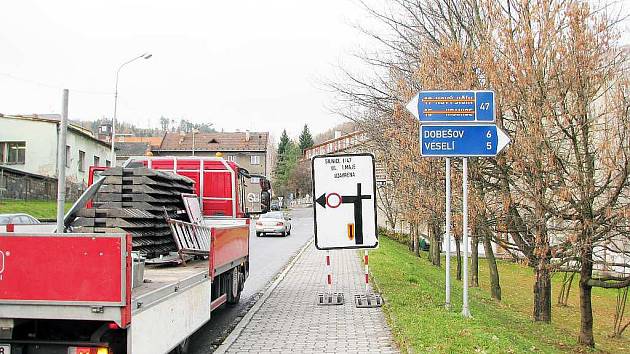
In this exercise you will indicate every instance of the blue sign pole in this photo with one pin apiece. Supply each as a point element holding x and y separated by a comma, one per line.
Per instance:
<point>462,140</point>
<point>453,106</point>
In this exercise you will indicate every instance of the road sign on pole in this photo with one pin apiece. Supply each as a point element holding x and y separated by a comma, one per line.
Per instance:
<point>345,208</point>
<point>461,140</point>
<point>453,106</point>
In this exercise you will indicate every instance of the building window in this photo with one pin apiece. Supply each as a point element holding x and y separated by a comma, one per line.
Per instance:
<point>97,161</point>
<point>254,160</point>
<point>68,155</point>
<point>13,152</point>
<point>81,160</point>
<point>108,163</point>
<point>230,158</point>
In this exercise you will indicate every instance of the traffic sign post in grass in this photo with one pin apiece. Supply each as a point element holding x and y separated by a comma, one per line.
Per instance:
<point>457,124</point>
<point>345,212</point>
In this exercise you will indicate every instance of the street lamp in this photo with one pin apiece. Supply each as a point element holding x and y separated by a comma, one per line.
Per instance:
<point>143,56</point>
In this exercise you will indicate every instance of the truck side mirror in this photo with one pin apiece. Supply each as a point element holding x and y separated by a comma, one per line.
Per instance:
<point>265,201</point>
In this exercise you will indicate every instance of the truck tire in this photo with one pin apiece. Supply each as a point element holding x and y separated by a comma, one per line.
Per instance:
<point>183,347</point>
<point>234,287</point>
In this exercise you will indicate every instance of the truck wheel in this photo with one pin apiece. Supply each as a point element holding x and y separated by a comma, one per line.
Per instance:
<point>234,287</point>
<point>182,348</point>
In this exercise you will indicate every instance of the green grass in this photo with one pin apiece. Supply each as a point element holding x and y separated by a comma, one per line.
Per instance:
<point>414,294</point>
<point>37,208</point>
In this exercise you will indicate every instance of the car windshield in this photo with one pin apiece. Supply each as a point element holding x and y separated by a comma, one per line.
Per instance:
<point>275,215</point>
<point>4,220</point>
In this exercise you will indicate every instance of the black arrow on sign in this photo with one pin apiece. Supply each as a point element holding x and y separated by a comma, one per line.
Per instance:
<point>321,200</point>
<point>357,200</point>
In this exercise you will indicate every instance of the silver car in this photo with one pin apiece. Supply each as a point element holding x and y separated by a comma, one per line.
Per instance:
<point>17,219</point>
<point>274,222</point>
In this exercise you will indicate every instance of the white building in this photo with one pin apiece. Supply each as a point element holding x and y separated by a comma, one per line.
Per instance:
<point>29,143</point>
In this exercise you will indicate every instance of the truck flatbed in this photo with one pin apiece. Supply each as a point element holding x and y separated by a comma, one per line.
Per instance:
<point>160,281</point>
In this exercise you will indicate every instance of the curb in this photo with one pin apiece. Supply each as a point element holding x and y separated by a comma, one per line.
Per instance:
<point>236,332</point>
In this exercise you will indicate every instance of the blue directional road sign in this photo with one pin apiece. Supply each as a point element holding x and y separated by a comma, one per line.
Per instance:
<point>462,140</point>
<point>453,106</point>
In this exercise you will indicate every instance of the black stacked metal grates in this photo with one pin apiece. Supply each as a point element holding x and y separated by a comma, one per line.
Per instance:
<point>133,200</point>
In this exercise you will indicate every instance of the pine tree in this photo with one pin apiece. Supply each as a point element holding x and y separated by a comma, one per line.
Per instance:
<point>306,139</point>
<point>282,146</point>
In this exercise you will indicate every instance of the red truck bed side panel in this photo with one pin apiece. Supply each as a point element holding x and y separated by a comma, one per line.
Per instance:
<point>229,244</point>
<point>61,268</point>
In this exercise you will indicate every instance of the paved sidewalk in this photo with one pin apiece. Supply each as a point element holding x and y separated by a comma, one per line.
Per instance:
<point>291,321</point>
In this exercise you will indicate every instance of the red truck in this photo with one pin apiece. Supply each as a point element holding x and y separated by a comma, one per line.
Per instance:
<point>74,293</point>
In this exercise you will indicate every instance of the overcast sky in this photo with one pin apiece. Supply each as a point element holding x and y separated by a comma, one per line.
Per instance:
<point>245,64</point>
<point>254,65</point>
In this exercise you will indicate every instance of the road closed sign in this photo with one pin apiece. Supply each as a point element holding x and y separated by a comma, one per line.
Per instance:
<point>345,204</point>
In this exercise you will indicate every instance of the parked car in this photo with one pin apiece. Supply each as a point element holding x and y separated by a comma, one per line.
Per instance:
<point>274,222</point>
<point>275,205</point>
<point>18,219</point>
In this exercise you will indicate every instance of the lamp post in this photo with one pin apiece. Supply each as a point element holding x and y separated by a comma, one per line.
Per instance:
<point>143,56</point>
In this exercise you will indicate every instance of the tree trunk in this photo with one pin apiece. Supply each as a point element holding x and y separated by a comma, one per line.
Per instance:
<point>567,281</point>
<point>474,269</point>
<point>416,246</point>
<point>495,286</point>
<point>459,259</point>
<point>542,293</point>
<point>434,247</point>
<point>586,308</point>
<point>430,239</point>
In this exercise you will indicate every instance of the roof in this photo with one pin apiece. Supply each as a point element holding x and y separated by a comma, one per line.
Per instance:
<point>323,143</point>
<point>153,140</point>
<point>55,119</point>
<point>218,141</point>
<point>131,149</point>
<point>24,173</point>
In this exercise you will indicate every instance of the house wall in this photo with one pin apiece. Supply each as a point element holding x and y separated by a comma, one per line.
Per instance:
<point>41,144</point>
<point>242,158</point>
<point>91,148</point>
<point>41,148</point>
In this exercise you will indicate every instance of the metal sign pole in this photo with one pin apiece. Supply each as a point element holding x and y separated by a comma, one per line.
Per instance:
<point>329,275</point>
<point>367,272</point>
<point>465,309</point>
<point>447,235</point>
<point>61,162</point>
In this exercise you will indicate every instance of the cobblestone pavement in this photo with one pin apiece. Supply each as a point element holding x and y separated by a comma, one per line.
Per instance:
<point>291,321</point>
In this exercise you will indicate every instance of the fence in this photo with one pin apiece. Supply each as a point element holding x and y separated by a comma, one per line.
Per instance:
<point>16,184</point>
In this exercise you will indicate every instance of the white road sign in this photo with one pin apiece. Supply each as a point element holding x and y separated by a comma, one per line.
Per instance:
<point>345,205</point>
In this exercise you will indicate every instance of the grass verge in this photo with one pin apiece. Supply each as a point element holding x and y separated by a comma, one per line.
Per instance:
<point>41,209</point>
<point>414,293</point>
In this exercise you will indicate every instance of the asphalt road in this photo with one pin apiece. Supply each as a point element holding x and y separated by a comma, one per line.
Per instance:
<point>268,256</point>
